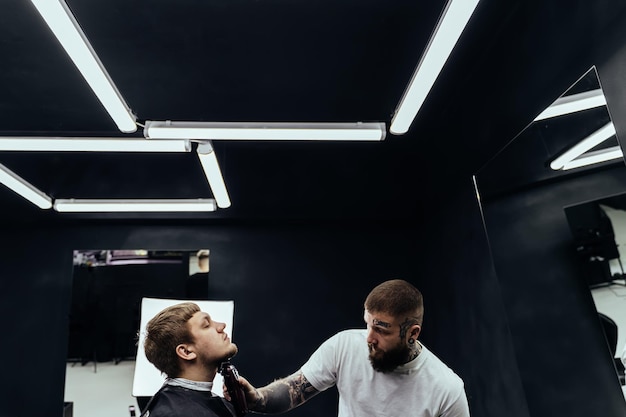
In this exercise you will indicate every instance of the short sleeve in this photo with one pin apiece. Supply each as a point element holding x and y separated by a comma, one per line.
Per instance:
<point>322,367</point>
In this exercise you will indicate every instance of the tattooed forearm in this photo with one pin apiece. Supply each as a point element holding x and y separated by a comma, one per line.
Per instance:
<point>283,395</point>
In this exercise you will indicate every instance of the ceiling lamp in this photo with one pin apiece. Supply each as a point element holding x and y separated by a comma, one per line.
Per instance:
<point>137,205</point>
<point>591,141</point>
<point>451,24</point>
<point>265,131</point>
<point>574,103</point>
<point>61,21</point>
<point>595,157</point>
<point>22,187</point>
<point>213,174</point>
<point>57,144</point>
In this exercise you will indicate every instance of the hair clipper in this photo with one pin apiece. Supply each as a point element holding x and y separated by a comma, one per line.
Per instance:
<point>237,396</point>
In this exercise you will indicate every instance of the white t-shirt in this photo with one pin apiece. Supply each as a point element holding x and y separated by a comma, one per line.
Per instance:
<point>424,387</point>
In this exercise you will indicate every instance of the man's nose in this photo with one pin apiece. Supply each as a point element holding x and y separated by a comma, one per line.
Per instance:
<point>370,336</point>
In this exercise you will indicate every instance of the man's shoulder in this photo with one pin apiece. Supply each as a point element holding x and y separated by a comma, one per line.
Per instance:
<point>348,336</point>
<point>178,401</point>
<point>440,369</point>
<point>352,333</point>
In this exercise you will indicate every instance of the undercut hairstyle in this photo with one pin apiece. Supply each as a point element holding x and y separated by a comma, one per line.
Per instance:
<point>397,298</point>
<point>164,332</point>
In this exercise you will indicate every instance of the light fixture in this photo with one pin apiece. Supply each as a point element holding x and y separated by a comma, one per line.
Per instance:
<point>455,16</point>
<point>213,174</point>
<point>22,187</point>
<point>61,21</point>
<point>265,131</point>
<point>574,103</point>
<point>59,144</point>
<point>595,157</point>
<point>136,205</point>
<point>591,141</point>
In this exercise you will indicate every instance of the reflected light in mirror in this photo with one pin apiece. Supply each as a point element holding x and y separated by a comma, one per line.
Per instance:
<point>574,103</point>
<point>595,157</point>
<point>605,132</point>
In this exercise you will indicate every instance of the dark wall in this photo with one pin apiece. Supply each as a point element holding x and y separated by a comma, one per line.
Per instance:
<point>293,285</point>
<point>564,361</point>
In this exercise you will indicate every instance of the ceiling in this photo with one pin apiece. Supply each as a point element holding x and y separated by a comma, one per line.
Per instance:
<point>278,61</point>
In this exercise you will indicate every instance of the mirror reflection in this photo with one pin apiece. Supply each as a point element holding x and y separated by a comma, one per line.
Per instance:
<point>599,234</point>
<point>573,135</point>
<point>572,138</point>
<point>108,286</point>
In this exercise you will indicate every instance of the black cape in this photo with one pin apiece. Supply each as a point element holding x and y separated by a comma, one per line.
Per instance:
<point>175,401</point>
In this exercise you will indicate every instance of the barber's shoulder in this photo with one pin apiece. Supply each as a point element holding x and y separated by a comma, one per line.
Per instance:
<point>348,338</point>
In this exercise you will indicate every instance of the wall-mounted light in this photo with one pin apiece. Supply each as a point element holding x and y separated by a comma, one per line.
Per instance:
<point>133,206</point>
<point>265,131</point>
<point>213,174</point>
<point>58,144</point>
<point>455,16</point>
<point>22,187</point>
<point>591,141</point>
<point>574,103</point>
<point>63,24</point>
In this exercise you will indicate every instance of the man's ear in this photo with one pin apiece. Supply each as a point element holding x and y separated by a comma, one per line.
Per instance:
<point>185,352</point>
<point>415,331</point>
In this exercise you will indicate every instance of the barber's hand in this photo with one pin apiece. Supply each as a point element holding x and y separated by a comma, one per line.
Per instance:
<point>252,395</point>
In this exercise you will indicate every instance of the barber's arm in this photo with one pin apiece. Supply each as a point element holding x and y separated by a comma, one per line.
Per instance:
<point>279,396</point>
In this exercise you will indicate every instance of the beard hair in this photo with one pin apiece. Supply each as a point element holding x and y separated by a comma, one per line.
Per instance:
<point>389,360</point>
<point>232,353</point>
<point>208,361</point>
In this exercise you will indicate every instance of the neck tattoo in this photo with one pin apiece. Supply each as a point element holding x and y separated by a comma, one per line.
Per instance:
<point>415,351</point>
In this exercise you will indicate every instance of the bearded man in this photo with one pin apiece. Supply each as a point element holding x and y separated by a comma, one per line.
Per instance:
<point>382,370</point>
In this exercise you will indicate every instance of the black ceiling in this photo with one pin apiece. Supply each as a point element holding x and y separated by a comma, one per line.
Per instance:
<point>280,61</point>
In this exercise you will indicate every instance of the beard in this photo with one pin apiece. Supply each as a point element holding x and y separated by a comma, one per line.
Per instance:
<point>215,360</point>
<point>387,361</point>
<point>233,351</point>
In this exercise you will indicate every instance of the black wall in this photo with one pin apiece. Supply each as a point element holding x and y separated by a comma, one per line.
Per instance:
<point>293,286</point>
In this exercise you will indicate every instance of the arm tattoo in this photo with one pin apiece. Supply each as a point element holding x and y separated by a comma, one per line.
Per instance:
<point>283,395</point>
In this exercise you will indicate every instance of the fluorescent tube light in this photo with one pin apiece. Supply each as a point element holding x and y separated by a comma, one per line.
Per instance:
<point>596,138</point>
<point>595,157</point>
<point>213,174</point>
<point>58,144</point>
<point>264,131</point>
<point>22,187</point>
<point>455,16</point>
<point>574,103</point>
<point>61,21</point>
<point>132,206</point>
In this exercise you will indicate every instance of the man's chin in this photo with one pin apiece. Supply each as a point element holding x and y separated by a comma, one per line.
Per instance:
<point>233,351</point>
<point>386,362</point>
<point>379,363</point>
<point>381,366</point>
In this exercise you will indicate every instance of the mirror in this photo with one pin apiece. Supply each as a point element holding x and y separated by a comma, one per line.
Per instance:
<point>105,313</point>
<point>556,144</point>
<point>557,161</point>
<point>599,234</point>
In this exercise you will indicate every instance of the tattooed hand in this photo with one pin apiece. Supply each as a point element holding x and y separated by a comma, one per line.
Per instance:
<point>252,394</point>
<point>279,396</point>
